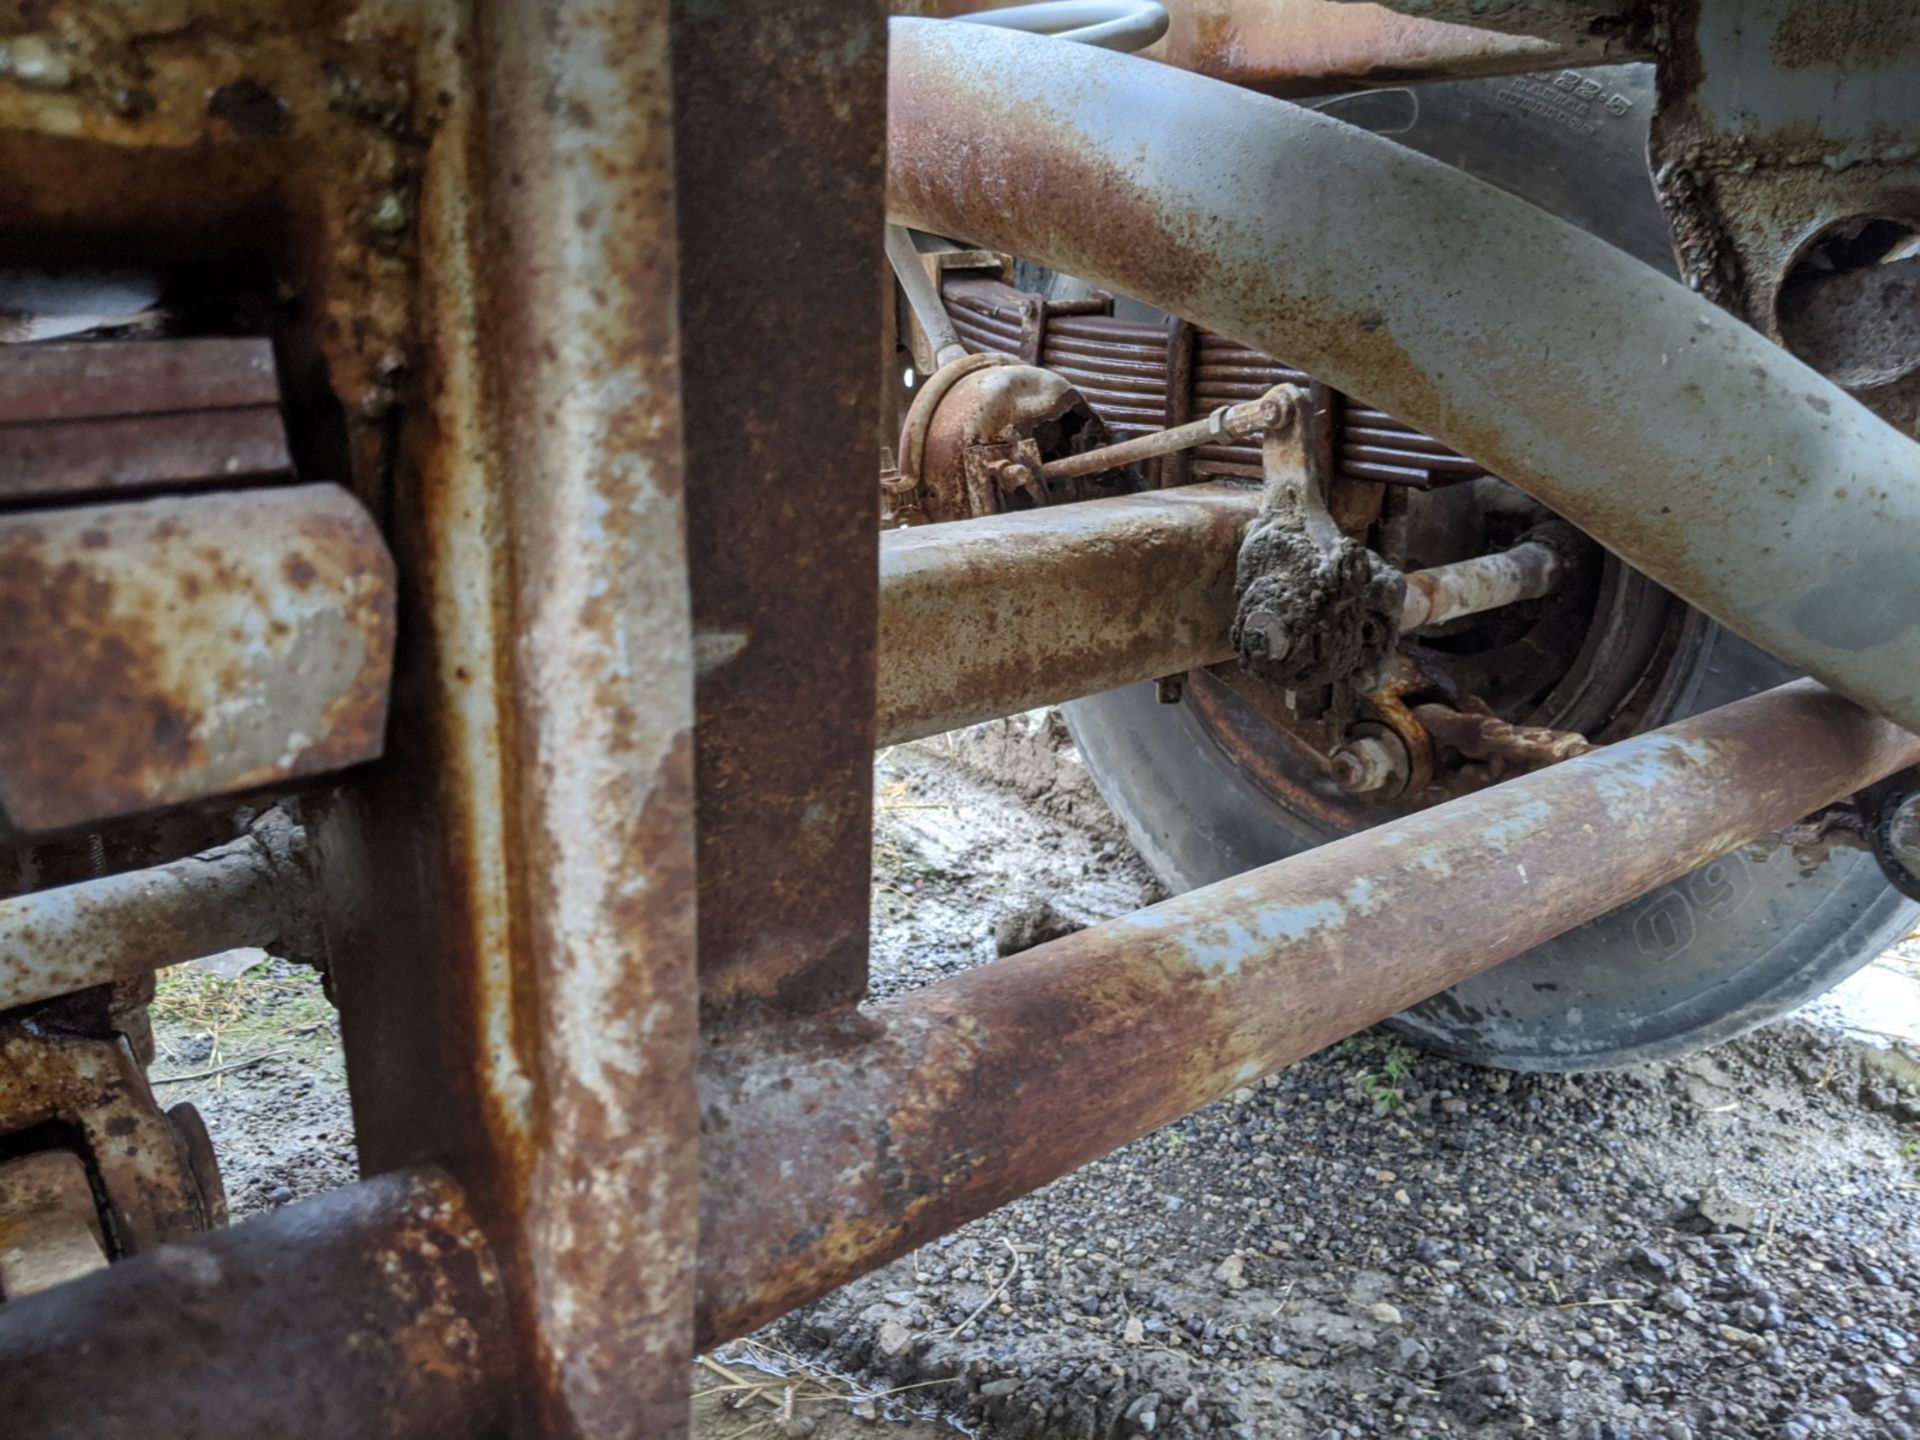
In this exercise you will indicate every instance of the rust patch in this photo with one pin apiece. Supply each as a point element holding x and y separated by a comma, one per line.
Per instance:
<point>1752,174</point>
<point>1309,47</point>
<point>150,671</point>
<point>140,1164</point>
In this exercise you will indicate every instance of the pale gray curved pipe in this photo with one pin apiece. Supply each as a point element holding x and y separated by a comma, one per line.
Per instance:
<point>1126,25</point>
<point>1677,437</point>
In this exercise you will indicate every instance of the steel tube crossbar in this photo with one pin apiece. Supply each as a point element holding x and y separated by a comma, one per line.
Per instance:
<point>988,617</point>
<point>1694,448</point>
<point>54,942</point>
<point>373,1311</point>
<point>1468,587</point>
<point>849,1139</point>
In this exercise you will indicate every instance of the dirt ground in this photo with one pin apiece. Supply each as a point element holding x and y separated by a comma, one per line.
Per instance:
<point>1374,1242</point>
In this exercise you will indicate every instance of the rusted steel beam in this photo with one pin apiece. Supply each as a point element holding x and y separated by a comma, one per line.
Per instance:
<point>843,1142</point>
<point>990,616</point>
<point>1557,361</point>
<point>169,650</point>
<point>374,1311</point>
<point>987,617</point>
<point>86,380</point>
<point>128,453</point>
<point>780,141</point>
<point>523,1008</point>
<point>120,927</point>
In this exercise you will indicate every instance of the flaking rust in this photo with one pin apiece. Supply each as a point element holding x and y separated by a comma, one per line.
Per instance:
<point>169,650</point>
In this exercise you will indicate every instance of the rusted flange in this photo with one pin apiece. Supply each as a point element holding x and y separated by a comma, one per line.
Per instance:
<point>980,424</point>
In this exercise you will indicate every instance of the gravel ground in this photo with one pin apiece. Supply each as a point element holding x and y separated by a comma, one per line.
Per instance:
<point>1374,1242</point>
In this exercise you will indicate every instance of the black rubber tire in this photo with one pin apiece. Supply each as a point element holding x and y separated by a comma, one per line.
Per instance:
<point>1727,948</point>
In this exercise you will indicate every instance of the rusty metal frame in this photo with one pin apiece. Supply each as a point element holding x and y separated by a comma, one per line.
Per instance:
<point>597,915</point>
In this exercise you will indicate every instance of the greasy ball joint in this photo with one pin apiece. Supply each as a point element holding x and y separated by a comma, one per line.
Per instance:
<point>1314,607</point>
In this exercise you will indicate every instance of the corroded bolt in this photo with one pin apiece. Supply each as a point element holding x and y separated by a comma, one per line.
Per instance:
<point>1270,412</point>
<point>1012,475</point>
<point>1275,640</point>
<point>1370,765</point>
<point>1276,411</point>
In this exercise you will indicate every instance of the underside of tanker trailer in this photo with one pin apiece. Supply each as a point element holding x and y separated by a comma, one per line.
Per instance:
<point>480,479</point>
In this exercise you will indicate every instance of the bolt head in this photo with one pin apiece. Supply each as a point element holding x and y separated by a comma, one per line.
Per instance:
<point>1369,765</point>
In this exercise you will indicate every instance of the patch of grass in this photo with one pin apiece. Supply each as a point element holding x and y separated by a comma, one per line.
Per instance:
<point>204,1022</point>
<point>752,1388</point>
<point>1384,1080</point>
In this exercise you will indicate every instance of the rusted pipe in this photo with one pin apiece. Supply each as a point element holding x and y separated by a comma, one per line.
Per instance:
<point>986,617</point>
<point>1685,442</point>
<point>1311,47</point>
<point>1223,426</point>
<point>374,1311</point>
<point>54,942</point>
<point>928,308</point>
<point>1528,571</point>
<point>843,1142</point>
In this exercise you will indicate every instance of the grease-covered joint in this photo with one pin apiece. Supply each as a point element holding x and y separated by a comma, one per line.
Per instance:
<point>833,1146</point>
<point>1313,607</point>
<point>372,1311</point>
<point>253,891</point>
<point>189,647</point>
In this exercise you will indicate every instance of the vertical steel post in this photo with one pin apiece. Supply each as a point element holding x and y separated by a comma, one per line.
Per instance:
<point>513,891</point>
<point>781,142</point>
